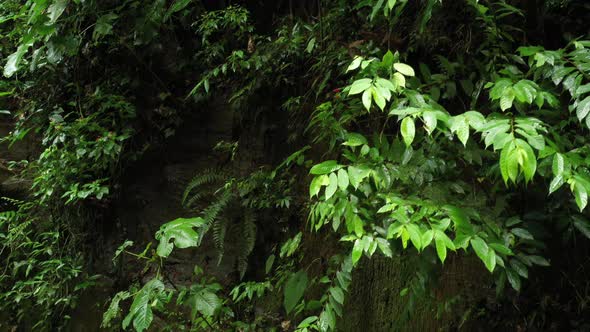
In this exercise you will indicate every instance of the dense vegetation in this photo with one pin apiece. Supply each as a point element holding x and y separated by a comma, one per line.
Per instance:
<point>421,135</point>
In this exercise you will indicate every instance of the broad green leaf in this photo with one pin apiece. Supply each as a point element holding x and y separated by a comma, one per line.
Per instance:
<point>582,225</point>
<point>556,183</point>
<point>583,108</point>
<point>522,233</point>
<point>581,196</point>
<point>317,183</point>
<point>354,139</point>
<point>538,260</point>
<point>332,186</point>
<point>379,98</point>
<point>441,249</point>
<point>140,311</point>
<point>383,245</point>
<point>520,268</point>
<point>415,235</point>
<point>558,164</point>
<point>524,92</point>
<point>15,59</point>
<point>182,234</point>
<point>507,99</point>
<point>388,59</point>
<point>337,294</point>
<point>399,80</point>
<point>355,63</point>
<point>325,167</point>
<point>480,247</point>
<point>360,86</point>
<point>408,130</point>
<point>294,289</point>
<point>56,9</point>
<point>404,69</point>
<point>357,251</point>
<point>367,98</point>
<point>204,302</point>
<point>342,179</point>
<point>430,121</point>
<point>513,279</point>
<point>490,260</point>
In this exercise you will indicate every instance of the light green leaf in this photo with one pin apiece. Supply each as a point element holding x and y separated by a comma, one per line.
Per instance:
<point>507,99</point>
<point>56,9</point>
<point>430,121</point>
<point>332,186</point>
<point>357,251</point>
<point>367,98</point>
<point>480,247</point>
<point>359,86</point>
<point>441,249</point>
<point>325,167</point>
<point>399,80</point>
<point>294,289</point>
<point>140,311</point>
<point>408,130</point>
<point>182,234</point>
<point>581,196</point>
<point>354,139</point>
<point>556,183</point>
<point>355,63</point>
<point>404,69</point>
<point>342,179</point>
<point>583,108</point>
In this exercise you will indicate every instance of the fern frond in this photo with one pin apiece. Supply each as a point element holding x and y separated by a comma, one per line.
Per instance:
<point>213,210</point>
<point>208,176</point>
<point>247,240</point>
<point>219,230</point>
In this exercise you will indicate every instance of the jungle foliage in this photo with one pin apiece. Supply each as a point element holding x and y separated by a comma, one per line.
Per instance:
<point>427,129</point>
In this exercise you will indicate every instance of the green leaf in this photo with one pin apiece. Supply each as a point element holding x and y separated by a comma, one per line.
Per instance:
<point>294,289</point>
<point>104,25</point>
<point>558,164</point>
<point>357,251</point>
<point>404,69</point>
<point>556,183</point>
<point>415,235</point>
<point>399,79</point>
<point>583,226</point>
<point>359,86</point>
<point>269,263</point>
<point>430,121</point>
<point>581,196</point>
<point>15,59</point>
<point>354,139</point>
<point>56,9</point>
<point>522,233</point>
<point>388,59</point>
<point>355,64</point>
<point>513,279</point>
<point>583,108</point>
<point>508,162</point>
<point>205,302</point>
<point>325,167</point>
<point>331,188</point>
<point>538,260</point>
<point>507,99</point>
<point>408,130</point>
<point>140,311</point>
<point>317,183</point>
<point>181,232</point>
<point>441,249</point>
<point>342,179</point>
<point>337,294</point>
<point>481,248</point>
<point>367,98</point>
<point>524,92</point>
